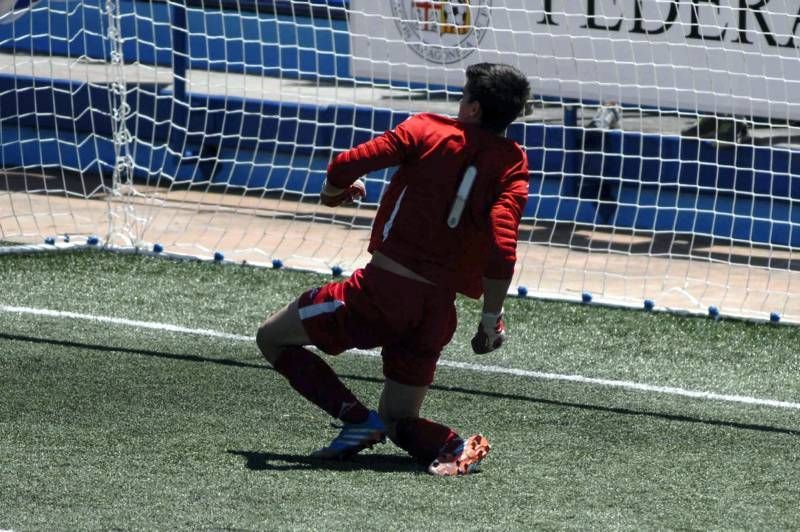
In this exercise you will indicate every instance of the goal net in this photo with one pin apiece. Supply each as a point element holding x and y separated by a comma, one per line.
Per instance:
<point>662,135</point>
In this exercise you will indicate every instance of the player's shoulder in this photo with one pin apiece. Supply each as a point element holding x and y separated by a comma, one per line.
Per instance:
<point>433,119</point>
<point>505,157</point>
<point>431,126</point>
<point>505,147</point>
<point>518,151</point>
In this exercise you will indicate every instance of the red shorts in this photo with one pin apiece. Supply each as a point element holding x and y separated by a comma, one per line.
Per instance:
<point>410,319</point>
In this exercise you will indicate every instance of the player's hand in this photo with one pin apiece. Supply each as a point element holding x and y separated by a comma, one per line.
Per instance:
<point>491,333</point>
<point>331,196</point>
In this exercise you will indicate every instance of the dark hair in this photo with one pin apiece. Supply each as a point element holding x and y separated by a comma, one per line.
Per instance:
<point>502,90</point>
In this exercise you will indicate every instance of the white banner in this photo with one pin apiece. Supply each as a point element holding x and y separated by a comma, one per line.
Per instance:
<point>727,56</point>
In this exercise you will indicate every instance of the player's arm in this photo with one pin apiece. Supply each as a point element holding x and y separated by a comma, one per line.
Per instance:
<point>504,219</point>
<point>494,294</point>
<point>342,184</point>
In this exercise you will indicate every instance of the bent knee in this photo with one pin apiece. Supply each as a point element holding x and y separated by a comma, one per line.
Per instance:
<point>266,345</point>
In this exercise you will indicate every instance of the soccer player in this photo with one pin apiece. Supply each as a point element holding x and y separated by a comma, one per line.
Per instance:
<point>447,223</point>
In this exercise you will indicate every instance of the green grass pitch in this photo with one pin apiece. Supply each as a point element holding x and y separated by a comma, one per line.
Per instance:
<point>115,426</point>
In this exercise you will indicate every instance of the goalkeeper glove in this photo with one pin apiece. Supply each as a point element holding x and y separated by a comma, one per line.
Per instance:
<point>331,196</point>
<point>491,333</point>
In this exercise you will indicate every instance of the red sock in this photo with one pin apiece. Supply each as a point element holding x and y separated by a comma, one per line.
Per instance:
<point>422,438</point>
<point>316,381</point>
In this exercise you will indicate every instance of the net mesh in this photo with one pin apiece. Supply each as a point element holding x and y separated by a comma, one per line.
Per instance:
<point>660,137</point>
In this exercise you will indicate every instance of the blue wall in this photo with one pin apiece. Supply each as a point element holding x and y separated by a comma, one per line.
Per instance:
<point>266,43</point>
<point>59,28</point>
<point>624,179</point>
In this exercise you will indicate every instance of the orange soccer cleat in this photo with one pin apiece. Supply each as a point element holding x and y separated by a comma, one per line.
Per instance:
<point>461,459</point>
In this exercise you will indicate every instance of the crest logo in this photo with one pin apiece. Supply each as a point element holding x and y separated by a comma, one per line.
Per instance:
<point>442,31</point>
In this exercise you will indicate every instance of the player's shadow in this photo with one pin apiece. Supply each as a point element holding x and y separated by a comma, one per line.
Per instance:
<point>384,463</point>
<point>481,393</point>
<point>592,239</point>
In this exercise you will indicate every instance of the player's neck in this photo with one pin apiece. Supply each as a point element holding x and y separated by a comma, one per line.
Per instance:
<point>487,130</point>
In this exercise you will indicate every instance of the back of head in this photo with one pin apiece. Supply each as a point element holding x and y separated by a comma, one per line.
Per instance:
<point>502,91</point>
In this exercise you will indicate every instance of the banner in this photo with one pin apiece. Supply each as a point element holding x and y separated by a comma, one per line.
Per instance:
<point>737,57</point>
<point>11,10</point>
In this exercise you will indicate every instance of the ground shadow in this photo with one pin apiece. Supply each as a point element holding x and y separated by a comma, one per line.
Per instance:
<point>384,463</point>
<point>591,239</point>
<point>55,182</point>
<point>438,387</point>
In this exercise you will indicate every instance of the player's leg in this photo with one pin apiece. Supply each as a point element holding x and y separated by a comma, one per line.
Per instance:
<point>280,339</point>
<point>409,366</point>
<point>282,329</point>
<point>322,317</point>
<point>399,407</point>
<point>398,402</point>
<point>407,378</point>
<point>434,444</point>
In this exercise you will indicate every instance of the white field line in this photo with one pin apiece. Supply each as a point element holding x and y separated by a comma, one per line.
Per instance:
<point>669,390</point>
<point>122,321</point>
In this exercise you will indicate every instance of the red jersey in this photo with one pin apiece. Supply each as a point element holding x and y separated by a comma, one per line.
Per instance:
<point>432,153</point>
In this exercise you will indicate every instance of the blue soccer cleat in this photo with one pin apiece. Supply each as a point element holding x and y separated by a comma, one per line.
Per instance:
<point>354,438</point>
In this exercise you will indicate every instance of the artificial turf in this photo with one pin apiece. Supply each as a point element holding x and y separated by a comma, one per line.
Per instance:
<point>106,426</point>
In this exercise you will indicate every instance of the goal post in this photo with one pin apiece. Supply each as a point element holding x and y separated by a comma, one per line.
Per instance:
<point>661,138</point>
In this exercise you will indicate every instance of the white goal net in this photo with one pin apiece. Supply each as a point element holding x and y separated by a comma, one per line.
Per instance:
<point>662,136</point>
